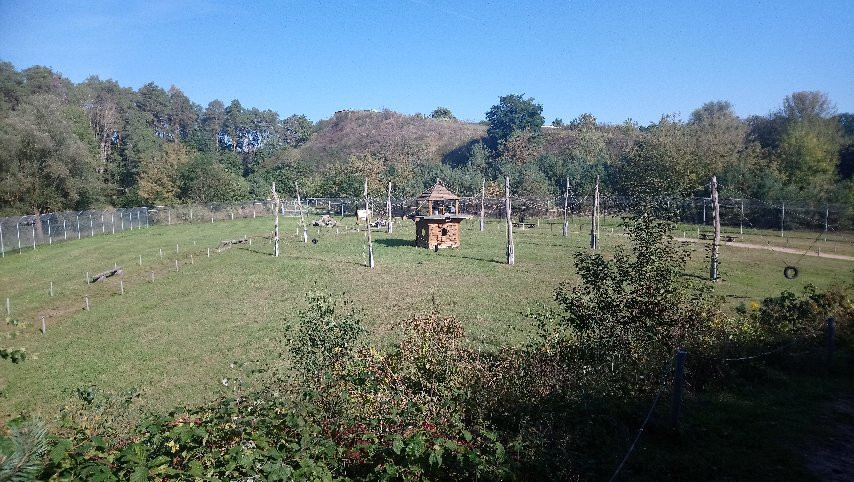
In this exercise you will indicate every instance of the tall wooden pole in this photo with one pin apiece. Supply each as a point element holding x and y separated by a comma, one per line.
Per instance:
<point>276,225</point>
<point>716,244</point>
<point>594,221</point>
<point>482,195</point>
<point>388,208</point>
<point>301,216</point>
<point>511,249</point>
<point>368,226</point>
<point>566,209</point>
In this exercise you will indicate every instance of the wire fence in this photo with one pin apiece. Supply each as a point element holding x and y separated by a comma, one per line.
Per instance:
<point>18,233</point>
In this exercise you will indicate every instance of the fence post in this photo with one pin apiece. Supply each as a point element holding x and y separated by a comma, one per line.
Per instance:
<point>2,248</point>
<point>678,382</point>
<point>64,231</point>
<point>44,327</point>
<point>830,330</point>
<point>8,308</point>
<point>782,218</point>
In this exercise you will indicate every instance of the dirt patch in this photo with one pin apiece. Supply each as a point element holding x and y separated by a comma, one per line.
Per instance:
<point>832,457</point>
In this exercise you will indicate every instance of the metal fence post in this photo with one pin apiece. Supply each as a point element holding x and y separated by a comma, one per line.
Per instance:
<point>678,382</point>
<point>830,331</point>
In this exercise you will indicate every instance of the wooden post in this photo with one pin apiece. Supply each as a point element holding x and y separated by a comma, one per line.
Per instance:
<point>511,249</point>
<point>301,216</point>
<point>678,382</point>
<point>368,227</point>
<point>594,218</point>
<point>566,209</point>
<point>275,224</point>
<point>482,196</point>
<point>826,215</point>
<point>830,330</point>
<point>390,224</point>
<point>716,244</point>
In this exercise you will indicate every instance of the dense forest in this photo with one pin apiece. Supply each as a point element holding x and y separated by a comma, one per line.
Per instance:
<point>75,146</point>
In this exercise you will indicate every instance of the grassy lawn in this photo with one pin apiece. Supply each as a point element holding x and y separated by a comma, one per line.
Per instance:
<point>173,340</point>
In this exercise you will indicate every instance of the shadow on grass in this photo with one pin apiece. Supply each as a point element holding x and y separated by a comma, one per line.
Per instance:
<point>395,243</point>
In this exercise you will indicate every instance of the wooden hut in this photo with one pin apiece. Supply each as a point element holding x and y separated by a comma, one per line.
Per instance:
<point>437,226</point>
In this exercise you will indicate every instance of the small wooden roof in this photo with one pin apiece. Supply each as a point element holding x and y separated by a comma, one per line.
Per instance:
<point>438,193</point>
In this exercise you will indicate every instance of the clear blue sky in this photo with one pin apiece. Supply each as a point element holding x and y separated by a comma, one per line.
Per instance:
<point>615,59</point>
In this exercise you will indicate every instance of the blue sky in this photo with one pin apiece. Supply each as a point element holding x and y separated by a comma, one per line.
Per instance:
<point>615,59</point>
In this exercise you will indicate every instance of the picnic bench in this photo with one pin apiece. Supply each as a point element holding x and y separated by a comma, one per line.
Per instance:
<point>726,237</point>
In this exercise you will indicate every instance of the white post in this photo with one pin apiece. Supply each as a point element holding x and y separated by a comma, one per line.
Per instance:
<point>50,290</point>
<point>368,226</point>
<point>566,209</point>
<point>511,248</point>
<point>826,215</point>
<point>140,260</point>
<point>275,225</point>
<point>388,208</point>
<point>34,233</point>
<point>741,221</point>
<point>716,212</point>
<point>8,308</point>
<point>176,265</point>
<point>86,298</point>
<point>78,226</point>
<point>2,247</point>
<point>44,327</point>
<point>91,226</point>
<point>301,216</point>
<point>64,231</point>
<point>482,210</point>
<point>113,222</point>
<point>122,218</point>
<point>122,286</point>
<point>594,221</point>
<point>782,218</point>
<point>103,226</point>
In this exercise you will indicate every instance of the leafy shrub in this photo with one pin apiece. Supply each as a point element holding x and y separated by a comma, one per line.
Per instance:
<point>627,315</point>
<point>326,336</point>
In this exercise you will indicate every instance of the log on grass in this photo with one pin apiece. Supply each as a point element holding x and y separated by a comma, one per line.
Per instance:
<point>106,274</point>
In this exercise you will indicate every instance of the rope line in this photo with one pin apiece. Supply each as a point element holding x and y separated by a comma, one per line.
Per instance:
<point>645,421</point>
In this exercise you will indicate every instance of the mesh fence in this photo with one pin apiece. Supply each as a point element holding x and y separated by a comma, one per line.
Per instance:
<point>30,231</point>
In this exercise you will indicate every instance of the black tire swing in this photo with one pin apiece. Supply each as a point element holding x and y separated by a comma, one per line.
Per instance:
<point>790,272</point>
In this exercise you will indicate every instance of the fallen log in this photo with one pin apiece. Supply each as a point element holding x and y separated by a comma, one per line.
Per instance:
<point>106,274</point>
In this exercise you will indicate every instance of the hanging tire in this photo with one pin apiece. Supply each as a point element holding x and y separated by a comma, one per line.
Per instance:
<point>790,272</point>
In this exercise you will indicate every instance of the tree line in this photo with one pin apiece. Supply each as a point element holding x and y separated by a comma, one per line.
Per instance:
<point>95,143</point>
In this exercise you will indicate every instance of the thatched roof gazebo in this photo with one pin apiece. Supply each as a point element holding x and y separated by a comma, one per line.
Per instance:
<point>439,227</point>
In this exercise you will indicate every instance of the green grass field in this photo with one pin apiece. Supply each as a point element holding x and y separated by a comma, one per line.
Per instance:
<point>173,340</point>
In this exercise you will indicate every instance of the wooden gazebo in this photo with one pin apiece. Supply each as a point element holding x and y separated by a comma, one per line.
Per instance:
<point>439,227</point>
